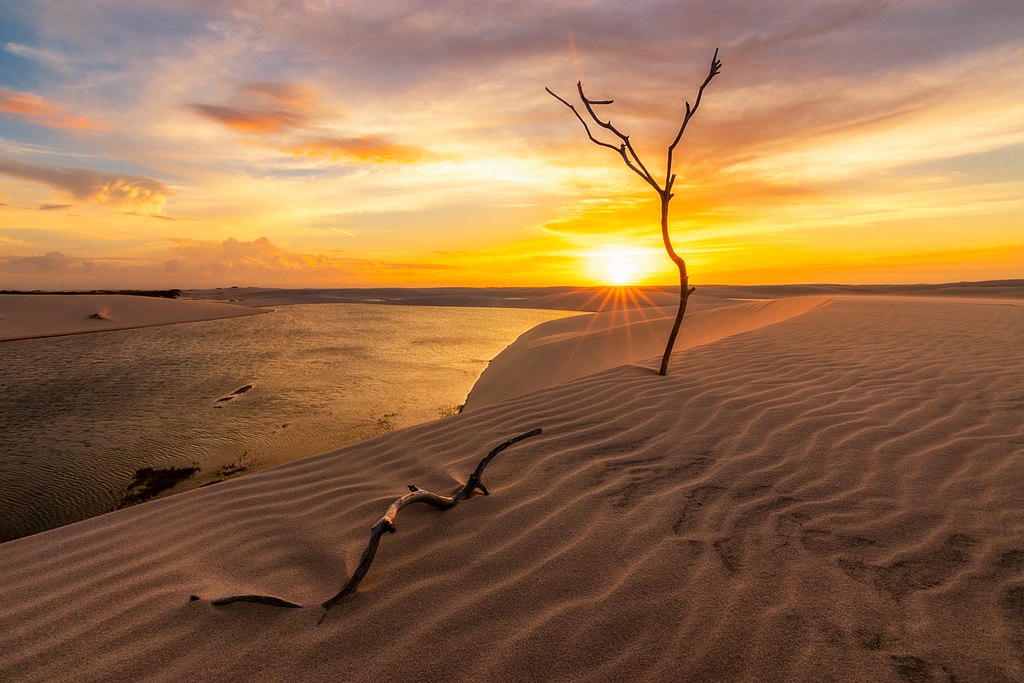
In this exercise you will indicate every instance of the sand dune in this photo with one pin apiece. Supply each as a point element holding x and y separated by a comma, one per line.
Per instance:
<point>25,316</point>
<point>833,492</point>
<point>566,349</point>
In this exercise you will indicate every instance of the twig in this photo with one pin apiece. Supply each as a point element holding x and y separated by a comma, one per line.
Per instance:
<point>716,68</point>
<point>621,149</point>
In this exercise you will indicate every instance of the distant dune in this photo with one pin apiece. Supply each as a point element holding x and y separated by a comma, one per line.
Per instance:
<point>25,316</point>
<point>823,488</point>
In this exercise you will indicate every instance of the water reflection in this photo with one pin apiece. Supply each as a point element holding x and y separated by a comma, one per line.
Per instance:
<point>80,414</point>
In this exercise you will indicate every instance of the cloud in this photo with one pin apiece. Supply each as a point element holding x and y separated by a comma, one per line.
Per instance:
<point>206,263</point>
<point>50,58</point>
<point>279,108</point>
<point>237,256</point>
<point>52,262</point>
<point>265,108</point>
<point>261,257</point>
<point>159,216</point>
<point>810,25</point>
<point>621,215</point>
<point>284,94</point>
<point>370,149</point>
<point>250,120</point>
<point>42,111</point>
<point>10,241</point>
<point>140,193</point>
<point>54,207</point>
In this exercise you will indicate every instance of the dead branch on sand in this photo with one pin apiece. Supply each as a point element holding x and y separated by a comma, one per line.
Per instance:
<point>387,524</point>
<point>628,153</point>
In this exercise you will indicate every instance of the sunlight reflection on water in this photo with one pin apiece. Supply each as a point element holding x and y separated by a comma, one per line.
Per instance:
<point>79,414</point>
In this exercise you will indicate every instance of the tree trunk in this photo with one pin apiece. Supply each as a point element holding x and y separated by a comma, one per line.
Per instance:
<point>684,295</point>
<point>684,289</point>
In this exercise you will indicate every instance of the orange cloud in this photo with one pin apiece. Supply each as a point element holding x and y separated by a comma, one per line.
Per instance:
<point>122,191</point>
<point>623,215</point>
<point>780,264</point>
<point>283,93</point>
<point>370,148</point>
<point>42,111</point>
<point>275,108</point>
<point>265,108</point>
<point>234,255</point>
<point>250,120</point>
<point>263,258</point>
<point>204,263</point>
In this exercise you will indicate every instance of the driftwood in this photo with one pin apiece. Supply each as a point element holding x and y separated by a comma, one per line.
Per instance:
<point>386,524</point>
<point>416,495</point>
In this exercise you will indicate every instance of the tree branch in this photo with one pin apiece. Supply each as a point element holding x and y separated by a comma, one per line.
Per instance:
<point>607,125</point>
<point>716,68</point>
<point>386,524</point>
<point>622,149</point>
<point>585,126</point>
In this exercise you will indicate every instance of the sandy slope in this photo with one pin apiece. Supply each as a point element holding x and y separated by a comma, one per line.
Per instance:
<point>24,316</point>
<point>561,350</point>
<point>836,496</point>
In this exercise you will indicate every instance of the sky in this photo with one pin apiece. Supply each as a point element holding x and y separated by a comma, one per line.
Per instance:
<point>205,143</point>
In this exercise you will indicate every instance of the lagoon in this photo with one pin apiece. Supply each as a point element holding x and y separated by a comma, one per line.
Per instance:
<point>80,415</point>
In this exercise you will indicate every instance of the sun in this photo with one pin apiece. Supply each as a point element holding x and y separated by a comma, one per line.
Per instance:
<point>621,269</point>
<point>618,267</point>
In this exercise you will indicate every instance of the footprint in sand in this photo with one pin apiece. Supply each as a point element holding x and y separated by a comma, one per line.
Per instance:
<point>1010,567</point>
<point>693,508</point>
<point>917,573</point>
<point>1013,610</point>
<point>916,670</point>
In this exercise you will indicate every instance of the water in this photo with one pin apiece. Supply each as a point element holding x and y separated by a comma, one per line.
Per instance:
<point>80,414</point>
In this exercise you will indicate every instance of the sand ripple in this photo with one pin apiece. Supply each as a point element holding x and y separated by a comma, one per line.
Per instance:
<point>834,497</point>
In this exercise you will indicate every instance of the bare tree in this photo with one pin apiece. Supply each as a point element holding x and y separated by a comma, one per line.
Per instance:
<point>632,159</point>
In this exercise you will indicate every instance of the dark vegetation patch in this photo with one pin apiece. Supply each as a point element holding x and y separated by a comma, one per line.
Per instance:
<point>449,411</point>
<point>151,481</point>
<point>386,423</point>
<point>232,469</point>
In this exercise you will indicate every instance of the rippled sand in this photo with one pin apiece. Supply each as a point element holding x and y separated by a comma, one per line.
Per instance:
<point>832,493</point>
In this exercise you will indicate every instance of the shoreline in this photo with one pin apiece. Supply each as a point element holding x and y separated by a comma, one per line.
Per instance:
<point>38,316</point>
